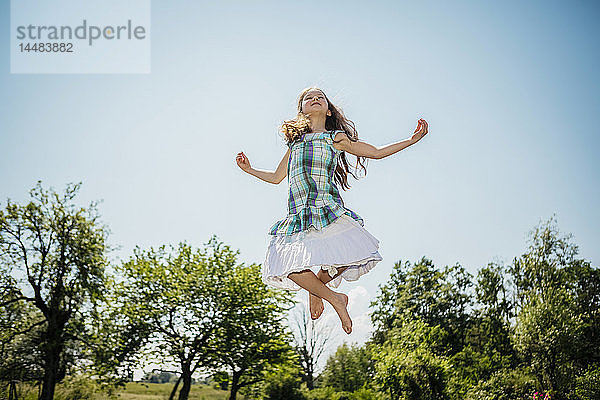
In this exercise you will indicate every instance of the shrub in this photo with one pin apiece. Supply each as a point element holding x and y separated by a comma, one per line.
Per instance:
<point>587,386</point>
<point>77,387</point>
<point>514,384</point>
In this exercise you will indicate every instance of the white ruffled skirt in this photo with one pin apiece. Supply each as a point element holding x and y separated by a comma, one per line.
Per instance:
<point>343,243</point>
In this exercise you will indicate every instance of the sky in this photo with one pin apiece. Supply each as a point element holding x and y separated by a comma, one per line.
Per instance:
<point>509,89</point>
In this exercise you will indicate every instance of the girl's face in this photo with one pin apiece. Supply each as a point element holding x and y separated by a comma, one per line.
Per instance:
<point>314,101</point>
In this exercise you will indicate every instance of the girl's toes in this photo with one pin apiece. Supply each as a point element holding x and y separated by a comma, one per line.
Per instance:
<point>316,307</point>
<point>347,328</point>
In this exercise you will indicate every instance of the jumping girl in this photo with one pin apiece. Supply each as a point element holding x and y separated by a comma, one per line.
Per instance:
<point>319,232</point>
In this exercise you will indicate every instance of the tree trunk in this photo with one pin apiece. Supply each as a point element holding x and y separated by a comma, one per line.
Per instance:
<point>309,377</point>
<point>235,380</point>
<point>186,376</point>
<point>52,350</point>
<point>172,396</point>
<point>51,365</point>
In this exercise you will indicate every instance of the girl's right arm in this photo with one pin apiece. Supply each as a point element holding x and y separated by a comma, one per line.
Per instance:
<point>267,176</point>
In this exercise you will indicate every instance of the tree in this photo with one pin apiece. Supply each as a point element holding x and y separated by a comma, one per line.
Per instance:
<point>179,294</point>
<point>348,369</point>
<point>255,339</point>
<point>19,356</point>
<point>310,340</point>
<point>548,335</point>
<point>534,326</point>
<point>492,293</point>
<point>437,297</point>
<point>558,298</point>
<point>281,381</point>
<point>56,252</point>
<point>412,364</point>
<point>114,341</point>
<point>488,346</point>
<point>159,377</point>
<point>204,311</point>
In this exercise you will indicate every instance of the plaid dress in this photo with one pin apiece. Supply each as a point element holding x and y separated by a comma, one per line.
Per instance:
<point>314,198</point>
<point>319,231</point>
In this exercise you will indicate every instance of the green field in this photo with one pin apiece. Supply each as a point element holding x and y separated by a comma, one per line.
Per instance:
<point>133,391</point>
<point>158,391</point>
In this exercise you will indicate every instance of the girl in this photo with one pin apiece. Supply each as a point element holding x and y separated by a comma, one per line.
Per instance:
<point>319,231</point>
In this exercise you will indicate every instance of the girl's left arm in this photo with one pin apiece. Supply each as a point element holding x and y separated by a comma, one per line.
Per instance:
<point>363,149</point>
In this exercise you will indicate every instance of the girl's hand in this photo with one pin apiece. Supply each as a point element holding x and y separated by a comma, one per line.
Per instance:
<point>243,162</point>
<point>420,131</point>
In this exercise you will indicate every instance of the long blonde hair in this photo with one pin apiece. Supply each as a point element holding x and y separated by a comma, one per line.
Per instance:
<point>293,130</point>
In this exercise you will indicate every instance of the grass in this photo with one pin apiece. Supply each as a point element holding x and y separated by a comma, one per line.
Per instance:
<point>132,391</point>
<point>160,391</point>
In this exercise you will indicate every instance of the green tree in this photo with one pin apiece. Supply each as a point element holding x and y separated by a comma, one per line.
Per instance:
<point>205,311</point>
<point>504,384</point>
<point>179,294</point>
<point>488,346</point>
<point>492,294</point>
<point>56,253</point>
<point>159,377</point>
<point>490,330</point>
<point>437,297</point>
<point>348,369</point>
<point>20,359</point>
<point>548,335</point>
<point>254,337</point>
<point>411,363</point>
<point>115,340</point>
<point>280,382</point>
<point>587,385</point>
<point>557,297</point>
<point>583,282</point>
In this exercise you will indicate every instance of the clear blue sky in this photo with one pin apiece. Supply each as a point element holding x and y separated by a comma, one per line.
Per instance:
<point>510,91</point>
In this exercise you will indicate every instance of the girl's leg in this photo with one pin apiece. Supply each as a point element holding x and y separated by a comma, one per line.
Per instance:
<point>309,281</point>
<point>316,303</point>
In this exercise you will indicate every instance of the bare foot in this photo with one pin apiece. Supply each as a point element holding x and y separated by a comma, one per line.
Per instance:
<point>316,306</point>
<point>340,305</point>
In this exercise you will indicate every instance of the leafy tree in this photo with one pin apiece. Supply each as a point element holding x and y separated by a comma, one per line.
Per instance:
<point>281,382</point>
<point>159,377</point>
<point>412,363</point>
<point>587,386</point>
<point>437,297</point>
<point>348,369</point>
<point>179,295</point>
<point>504,384</point>
<point>557,297</point>
<point>114,341</point>
<point>205,311</point>
<point>533,325</point>
<point>490,330</point>
<point>421,300</point>
<point>492,293</point>
<point>19,356</point>
<point>548,335</point>
<point>583,282</point>
<point>488,347</point>
<point>56,253</point>
<point>254,337</point>
<point>544,266</point>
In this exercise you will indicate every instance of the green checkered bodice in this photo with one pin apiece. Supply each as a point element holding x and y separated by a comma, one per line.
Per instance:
<point>314,198</point>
